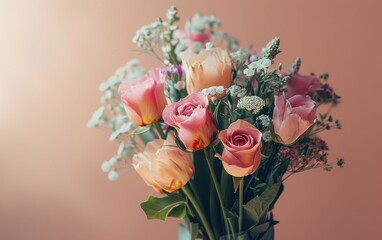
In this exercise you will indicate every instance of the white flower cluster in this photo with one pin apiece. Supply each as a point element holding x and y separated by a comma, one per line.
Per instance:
<point>237,91</point>
<point>264,119</point>
<point>214,90</point>
<point>259,65</point>
<point>148,36</point>
<point>252,104</point>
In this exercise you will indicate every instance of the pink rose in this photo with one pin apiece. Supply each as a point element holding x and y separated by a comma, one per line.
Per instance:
<point>164,166</point>
<point>302,85</point>
<point>193,121</point>
<point>293,116</point>
<point>144,98</point>
<point>242,143</point>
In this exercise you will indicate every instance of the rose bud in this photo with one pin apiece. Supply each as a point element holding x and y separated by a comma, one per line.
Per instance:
<point>293,116</point>
<point>193,120</point>
<point>209,68</point>
<point>302,85</point>
<point>242,143</point>
<point>144,98</point>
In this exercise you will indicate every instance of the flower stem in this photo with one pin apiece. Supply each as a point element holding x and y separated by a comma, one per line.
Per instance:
<point>241,193</point>
<point>159,130</point>
<point>199,211</point>
<point>217,188</point>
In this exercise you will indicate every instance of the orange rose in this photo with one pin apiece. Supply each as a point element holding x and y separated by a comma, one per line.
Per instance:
<point>163,165</point>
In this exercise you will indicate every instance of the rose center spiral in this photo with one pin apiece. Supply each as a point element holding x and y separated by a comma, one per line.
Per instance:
<point>240,139</point>
<point>186,109</point>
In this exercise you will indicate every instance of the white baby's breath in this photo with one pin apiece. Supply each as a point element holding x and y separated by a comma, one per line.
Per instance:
<point>113,175</point>
<point>105,167</point>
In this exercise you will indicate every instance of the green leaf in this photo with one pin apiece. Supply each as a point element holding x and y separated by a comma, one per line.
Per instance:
<point>227,189</point>
<point>124,128</point>
<point>257,207</point>
<point>214,211</point>
<point>179,211</point>
<point>280,170</point>
<point>160,208</point>
<point>256,230</point>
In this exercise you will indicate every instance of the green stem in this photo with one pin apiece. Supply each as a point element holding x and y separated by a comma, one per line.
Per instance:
<point>241,193</point>
<point>199,211</point>
<point>217,188</point>
<point>159,130</point>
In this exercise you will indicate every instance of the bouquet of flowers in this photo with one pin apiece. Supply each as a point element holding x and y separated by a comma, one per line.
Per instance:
<point>215,129</point>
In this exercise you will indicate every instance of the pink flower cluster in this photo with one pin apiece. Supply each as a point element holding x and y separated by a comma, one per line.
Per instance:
<point>305,154</point>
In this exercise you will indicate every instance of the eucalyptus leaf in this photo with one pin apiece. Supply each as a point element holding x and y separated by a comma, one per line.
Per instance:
<point>160,208</point>
<point>96,117</point>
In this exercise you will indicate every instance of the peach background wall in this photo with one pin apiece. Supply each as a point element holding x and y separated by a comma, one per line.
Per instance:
<point>54,54</point>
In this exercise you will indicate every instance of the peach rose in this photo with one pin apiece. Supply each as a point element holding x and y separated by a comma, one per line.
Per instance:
<point>144,98</point>
<point>293,116</point>
<point>209,68</point>
<point>163,165</point>
<point>193,120</point>
<point>142,163</point>
<point>242,143</point>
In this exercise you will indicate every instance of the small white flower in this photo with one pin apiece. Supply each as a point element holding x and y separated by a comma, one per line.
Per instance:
<point>113,175</point>
<point>252,104</point>
<point>106,166</point>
